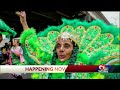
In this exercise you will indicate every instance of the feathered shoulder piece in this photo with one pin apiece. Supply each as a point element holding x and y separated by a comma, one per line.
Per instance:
<point>6,30</point>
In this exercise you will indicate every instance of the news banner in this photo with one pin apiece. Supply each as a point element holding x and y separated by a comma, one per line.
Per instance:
<point>59,68</point>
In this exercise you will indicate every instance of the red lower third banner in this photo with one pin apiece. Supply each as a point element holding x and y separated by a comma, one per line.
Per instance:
<point>82,68</point>
<point>94,68</point>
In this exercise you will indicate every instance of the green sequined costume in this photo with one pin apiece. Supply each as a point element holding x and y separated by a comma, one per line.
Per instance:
<point>98,44</point>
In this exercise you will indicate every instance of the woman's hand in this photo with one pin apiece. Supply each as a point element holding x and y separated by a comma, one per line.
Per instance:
<point>22,16</point>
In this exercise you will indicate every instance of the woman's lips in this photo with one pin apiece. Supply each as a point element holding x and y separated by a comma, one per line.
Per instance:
<point>61,56</point>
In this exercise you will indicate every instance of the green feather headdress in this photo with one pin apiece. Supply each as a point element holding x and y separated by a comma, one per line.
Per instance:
<point>97,40</point>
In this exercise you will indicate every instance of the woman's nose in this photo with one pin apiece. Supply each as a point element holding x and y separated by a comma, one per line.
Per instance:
<point>61,49</point>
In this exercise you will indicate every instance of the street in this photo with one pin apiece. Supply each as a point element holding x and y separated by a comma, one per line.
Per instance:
<point>10,76</point>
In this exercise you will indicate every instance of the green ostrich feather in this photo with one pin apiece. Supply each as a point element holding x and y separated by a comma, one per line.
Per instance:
<point>74,22</point>
<point>25,34</point>
<point>83,58</point>
<point>6,30</point>
<point>50,28</point>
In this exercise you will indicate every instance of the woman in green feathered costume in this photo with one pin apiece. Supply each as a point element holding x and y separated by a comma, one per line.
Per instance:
<point>72,43</point>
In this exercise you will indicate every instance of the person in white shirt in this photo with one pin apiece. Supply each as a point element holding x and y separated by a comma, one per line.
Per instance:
<point>3,40</point>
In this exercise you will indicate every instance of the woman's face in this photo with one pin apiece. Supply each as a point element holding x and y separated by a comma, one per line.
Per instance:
<point>15,42</point>
<point>64,49</point>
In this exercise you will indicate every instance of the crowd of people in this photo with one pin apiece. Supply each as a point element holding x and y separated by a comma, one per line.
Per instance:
<point>10,52</point>
<point>72,43</point>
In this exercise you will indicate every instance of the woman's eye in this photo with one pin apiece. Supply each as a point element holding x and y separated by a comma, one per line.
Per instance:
<point>58,46</point>
<point>67,46</point>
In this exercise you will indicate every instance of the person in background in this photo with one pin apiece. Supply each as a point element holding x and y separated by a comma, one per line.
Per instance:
<point>17,53</point>
<point>4,48</point>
